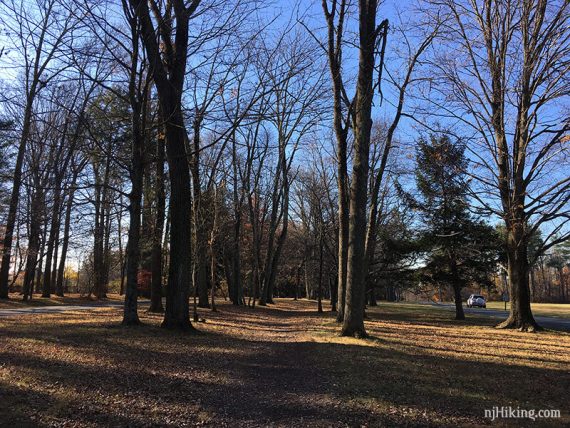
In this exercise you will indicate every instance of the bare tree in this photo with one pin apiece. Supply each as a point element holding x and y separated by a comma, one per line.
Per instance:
<point>166,41</point>
<point>294,109</point>
<point>372,40</point>
<point>39,31</point>
<point>503,72</point>
<point>335,16</point>
<point>385,135</point>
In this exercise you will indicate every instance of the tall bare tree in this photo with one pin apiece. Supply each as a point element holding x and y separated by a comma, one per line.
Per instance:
<point>39,32</point>
<point>503,70</point>
<point>335,16</point>
<point>165,35</point>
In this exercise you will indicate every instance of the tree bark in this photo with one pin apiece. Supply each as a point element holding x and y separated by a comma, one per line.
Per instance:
<point>459,314</point>
<point>334,53</point>
<point>59,289</point>
<point>99,232</point>
<point>236,291</point>
<point>320,290</point>
<point>520,315</point>
<point>177,313</point>
<point>51,242</point>
<point>130,313</point>
<point>334,293</point>
<point>138,102</point>
<point>15,195</point>
<point>353,324</point>
<point>168,72</point>
<point>372,296</point>
<point>33,244</point>
<point>156,284</point>
<point>200,251</point>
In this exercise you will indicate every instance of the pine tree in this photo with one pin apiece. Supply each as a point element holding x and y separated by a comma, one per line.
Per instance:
<point>459,249</point>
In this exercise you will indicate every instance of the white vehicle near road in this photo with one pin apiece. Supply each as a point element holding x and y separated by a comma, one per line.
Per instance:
<point>476,300</point>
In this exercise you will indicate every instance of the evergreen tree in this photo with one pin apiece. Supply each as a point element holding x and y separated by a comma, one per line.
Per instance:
<point>458,248</point>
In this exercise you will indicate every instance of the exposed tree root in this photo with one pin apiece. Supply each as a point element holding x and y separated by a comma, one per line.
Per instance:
<point>359,333</point>
<point>530,326</point>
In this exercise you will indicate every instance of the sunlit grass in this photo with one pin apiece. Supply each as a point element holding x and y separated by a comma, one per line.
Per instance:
<point>16,301</point>
<point>559,310</point>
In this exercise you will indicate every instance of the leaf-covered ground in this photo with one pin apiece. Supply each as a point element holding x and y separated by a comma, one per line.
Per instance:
<point>278,366</point>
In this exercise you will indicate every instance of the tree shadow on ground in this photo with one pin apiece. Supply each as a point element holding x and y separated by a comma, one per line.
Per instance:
<point>88,373</point>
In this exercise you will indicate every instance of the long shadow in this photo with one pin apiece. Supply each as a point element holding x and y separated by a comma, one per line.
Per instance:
<point>281,383</point>
<point>153,377</point>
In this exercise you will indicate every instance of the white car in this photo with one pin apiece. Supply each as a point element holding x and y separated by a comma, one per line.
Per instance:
<point>476,300</point>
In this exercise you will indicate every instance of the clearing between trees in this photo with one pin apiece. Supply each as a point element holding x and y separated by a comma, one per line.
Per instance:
<point>281,365</point>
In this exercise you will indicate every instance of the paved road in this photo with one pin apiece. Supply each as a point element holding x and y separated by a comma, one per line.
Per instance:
<point>552,323</point>
<point>56,309</point>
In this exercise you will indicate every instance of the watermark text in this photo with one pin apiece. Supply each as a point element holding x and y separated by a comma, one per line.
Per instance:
<point>508,412</point>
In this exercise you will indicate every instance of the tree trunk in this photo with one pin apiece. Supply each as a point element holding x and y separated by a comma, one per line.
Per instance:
<point>334,53</point>
<point>342,240</point>
<point>214,263</point>
<point>320,290</point>
<point>168,73</point>
<point>55,254</point>
<point>122,253</point>
<point>456,283</point>
<point>15,195</point>
<point>297,281</point>
<point>520,316</point>
<point>532,284</point>
<point>372,296</point>
<point>459,314</point>
<point>59,289</point>
<point>177,312</point>
<point>561,282</point>
<point>353,324</point>
<point>236,285</point>
<point>201,274</point>
<point>213,274</point>
<point>53,232</point>
<point>268,272</point>
<point>99,231</point>
<point>156,281</point>
<point>306,277</point>
<point>107,245</point>
<point>334,293</point>
<point>237,293</point>
<point>200,264</point>
<point>34,243</point>
<point>130,313</point>
<point>39,270</point>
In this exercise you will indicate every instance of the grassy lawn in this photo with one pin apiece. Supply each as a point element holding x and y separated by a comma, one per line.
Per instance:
<point>16,301</point>
<point>281,366</point>
<point>559,310</point>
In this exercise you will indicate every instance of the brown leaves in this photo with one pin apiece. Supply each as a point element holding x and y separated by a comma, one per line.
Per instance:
<point>278,366</point>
